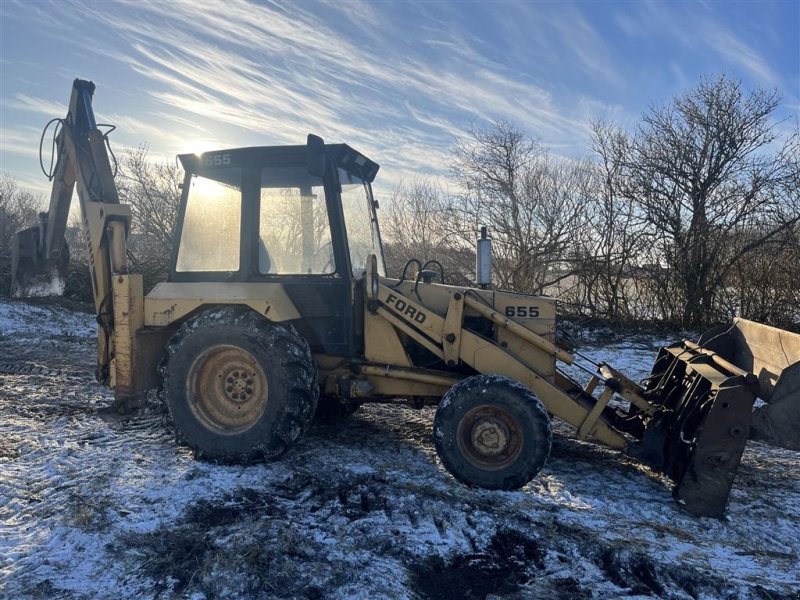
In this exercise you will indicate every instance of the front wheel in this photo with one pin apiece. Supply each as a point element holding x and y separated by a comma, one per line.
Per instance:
<point>492,432</point>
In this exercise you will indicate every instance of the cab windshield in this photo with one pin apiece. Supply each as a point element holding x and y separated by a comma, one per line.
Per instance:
<point>361,222</point>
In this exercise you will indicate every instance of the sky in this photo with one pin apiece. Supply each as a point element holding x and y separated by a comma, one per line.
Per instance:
<point>399,81</point>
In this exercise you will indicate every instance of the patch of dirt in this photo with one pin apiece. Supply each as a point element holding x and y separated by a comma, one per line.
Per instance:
<point>357,496</point>
<point>64,302</point>
<point>509,562</point>
<point>243,536</point>
<point>232,508</point>
<point>172,557</point>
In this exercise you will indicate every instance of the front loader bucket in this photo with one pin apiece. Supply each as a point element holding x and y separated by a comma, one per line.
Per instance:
<point>699,432</point>
<point>773,356</point>
<point>32,275</point>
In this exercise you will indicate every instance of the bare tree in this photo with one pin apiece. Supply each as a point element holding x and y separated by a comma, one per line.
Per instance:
<point>533,204</point>
<point>705,170</point>
<point>18,209</point>
<point>612,241</point>
<point>764,286</point>
<point>420,223</point>
<point>152,189</point>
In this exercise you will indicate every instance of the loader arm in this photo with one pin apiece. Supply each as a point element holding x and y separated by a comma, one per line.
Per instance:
<point>39,267</point>
<point>487,357</point>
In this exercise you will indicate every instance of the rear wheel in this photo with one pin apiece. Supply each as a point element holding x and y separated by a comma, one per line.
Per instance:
<point>238,387</point>
<point>491,431</point>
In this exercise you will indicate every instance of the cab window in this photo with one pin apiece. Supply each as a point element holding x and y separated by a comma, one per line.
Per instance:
<point>361,223</point>
<point>294,233</point>
<point>212,223</point>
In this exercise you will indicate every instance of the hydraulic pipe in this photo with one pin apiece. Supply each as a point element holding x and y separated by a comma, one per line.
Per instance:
<point>395,373</point>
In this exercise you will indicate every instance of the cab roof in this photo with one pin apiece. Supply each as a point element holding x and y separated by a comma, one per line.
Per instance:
<point>342,155</point>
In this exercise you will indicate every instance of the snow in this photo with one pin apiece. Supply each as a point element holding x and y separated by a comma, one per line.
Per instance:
<point>41,323</point>
<point>93,505</point>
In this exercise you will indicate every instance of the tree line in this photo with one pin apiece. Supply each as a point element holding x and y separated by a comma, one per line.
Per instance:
<point>691,217</point>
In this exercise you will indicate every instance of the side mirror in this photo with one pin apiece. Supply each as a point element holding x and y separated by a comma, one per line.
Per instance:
<point>316,158</point>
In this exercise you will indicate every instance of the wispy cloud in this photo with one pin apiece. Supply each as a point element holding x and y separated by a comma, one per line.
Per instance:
<point>22,142</point>
<point>735,51</point>
<point>698,28</point>
<point>399,81</point>
<point>37,105</point>
<point>259,68</point>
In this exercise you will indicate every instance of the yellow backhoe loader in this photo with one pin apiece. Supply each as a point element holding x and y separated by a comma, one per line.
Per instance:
<point>277,298</point>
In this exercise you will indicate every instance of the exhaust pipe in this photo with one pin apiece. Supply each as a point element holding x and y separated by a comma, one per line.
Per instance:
<point>483,260</point>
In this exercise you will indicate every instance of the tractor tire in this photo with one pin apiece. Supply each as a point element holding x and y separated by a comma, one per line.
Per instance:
<point>239,389</point>
<point>492,432</point>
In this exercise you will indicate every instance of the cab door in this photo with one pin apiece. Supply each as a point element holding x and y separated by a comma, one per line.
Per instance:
<point>300,242</point>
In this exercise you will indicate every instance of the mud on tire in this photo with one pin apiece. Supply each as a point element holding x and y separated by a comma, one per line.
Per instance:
<point>238,388</point>
<point>492,432</point>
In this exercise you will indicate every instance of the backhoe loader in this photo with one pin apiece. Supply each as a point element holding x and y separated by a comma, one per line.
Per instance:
<point>277,298</point>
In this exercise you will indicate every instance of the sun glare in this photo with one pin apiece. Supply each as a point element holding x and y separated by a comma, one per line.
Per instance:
<point>198,146</point>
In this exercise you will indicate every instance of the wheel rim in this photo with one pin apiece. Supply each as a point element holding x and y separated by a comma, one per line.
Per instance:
<point>490,437</point>
<point>227,389</point>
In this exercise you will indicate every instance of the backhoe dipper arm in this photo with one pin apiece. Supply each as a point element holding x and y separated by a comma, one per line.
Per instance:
<point>39,265</point>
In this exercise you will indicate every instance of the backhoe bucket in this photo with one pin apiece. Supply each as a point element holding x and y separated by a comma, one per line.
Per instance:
<point>31,274</point>
<point>704,406</point>
<point>773,356</point>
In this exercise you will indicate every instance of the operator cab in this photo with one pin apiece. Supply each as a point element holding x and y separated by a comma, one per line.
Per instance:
<point>301,216</point>
<point>256,214</point>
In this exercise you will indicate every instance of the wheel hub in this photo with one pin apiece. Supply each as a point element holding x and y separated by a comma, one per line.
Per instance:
<point>227,389</point>
<point>490,437</point>
<point>238,385</point>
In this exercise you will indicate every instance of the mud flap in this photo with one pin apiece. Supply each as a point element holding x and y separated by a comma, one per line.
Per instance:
<point>699,434</point>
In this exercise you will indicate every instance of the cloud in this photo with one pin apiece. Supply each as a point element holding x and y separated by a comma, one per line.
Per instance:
<point>275,73</point>
<point>399,82</point>
<point>697,28</point>
<point>37,105</point>
<point>736,52</point>
<point>22,142</point>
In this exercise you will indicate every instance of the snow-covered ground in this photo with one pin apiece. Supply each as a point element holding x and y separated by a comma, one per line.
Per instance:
<point>97,506</point>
